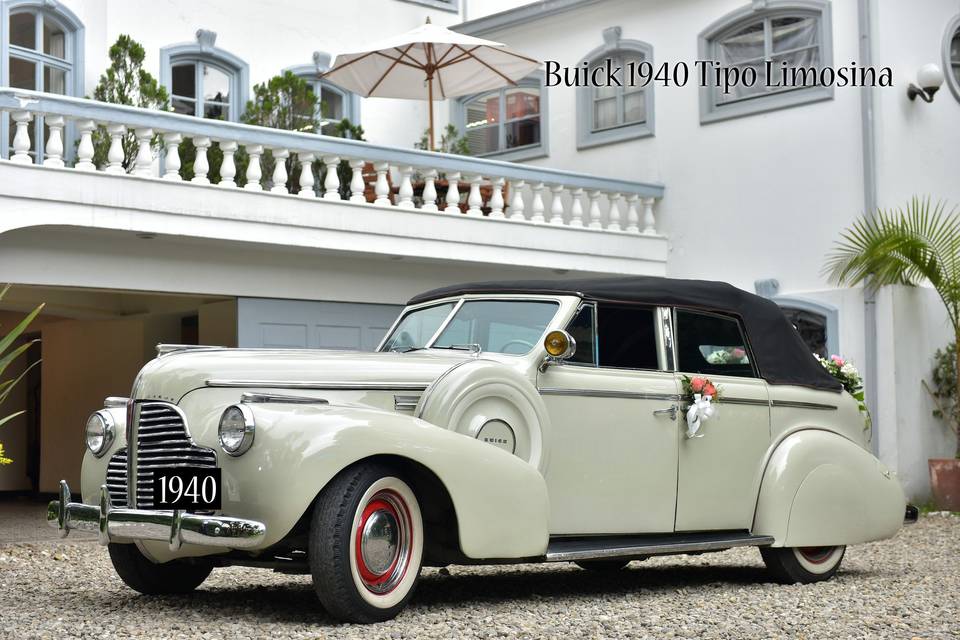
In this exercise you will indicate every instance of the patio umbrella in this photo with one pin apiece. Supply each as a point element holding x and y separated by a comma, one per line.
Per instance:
<point>427,61</point>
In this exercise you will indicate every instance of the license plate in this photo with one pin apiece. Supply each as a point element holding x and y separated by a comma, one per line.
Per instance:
<point>186,488</point>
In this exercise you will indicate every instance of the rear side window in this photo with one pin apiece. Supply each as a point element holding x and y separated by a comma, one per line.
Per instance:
<point>712,345</point>
<point>626,337</point>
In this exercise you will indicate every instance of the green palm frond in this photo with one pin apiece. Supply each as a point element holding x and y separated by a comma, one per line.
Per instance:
<point>7,356</point>
<point>912,245</point>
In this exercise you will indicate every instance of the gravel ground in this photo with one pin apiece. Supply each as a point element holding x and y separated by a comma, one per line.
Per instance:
<point>908,587</point>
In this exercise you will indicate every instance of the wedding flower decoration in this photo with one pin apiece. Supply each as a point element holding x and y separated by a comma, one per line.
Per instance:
<point>849,377</point>
<point>732,355</point>
<point>702,394</point>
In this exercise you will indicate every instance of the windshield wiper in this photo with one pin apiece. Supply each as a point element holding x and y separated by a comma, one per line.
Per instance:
<point>405,349</point>
<point>474,348</point>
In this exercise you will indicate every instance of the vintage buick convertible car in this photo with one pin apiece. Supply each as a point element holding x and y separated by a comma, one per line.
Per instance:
<point>498,422</point>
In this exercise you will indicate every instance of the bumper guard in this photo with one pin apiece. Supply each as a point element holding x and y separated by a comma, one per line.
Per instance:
<point>172,527</point>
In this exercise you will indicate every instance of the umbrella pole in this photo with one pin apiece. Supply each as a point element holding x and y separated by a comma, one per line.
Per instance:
<point>430,106</point>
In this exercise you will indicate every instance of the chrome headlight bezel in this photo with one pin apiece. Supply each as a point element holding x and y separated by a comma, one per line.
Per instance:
<point>107,435</point>
<point>249,429</point>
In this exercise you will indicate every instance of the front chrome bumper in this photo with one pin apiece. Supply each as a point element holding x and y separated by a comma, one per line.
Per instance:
<point>172,527</point>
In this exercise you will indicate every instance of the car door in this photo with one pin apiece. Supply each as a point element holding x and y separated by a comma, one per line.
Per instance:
<point>613,459</point>
<point>720,467</point>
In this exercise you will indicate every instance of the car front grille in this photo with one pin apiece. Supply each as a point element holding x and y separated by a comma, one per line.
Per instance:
<point>162,441</point>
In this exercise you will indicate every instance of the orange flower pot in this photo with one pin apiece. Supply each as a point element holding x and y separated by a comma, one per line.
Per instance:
<point>945,482</point>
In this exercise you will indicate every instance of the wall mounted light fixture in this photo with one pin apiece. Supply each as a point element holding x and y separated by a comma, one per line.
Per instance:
<point>929,80</point>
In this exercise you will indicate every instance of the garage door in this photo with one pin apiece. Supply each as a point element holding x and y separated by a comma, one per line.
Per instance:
<point>298,324</point>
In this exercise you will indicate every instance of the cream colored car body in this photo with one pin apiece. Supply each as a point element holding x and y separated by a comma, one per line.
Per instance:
<point>592,457</point>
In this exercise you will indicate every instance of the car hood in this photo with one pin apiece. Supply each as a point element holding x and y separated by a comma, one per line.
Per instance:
<point>173,375</point>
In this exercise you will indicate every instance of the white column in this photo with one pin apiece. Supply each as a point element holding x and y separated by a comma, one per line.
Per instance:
<point>228,168</point>
<point>649,222</point>
<point>279,177</point>
<point>143,162</point>
<point>254,170</point>
<point>115,153</point>
<point>614,222</point>
<point>556,205</point>
<point>21,140</point>
<point>306,175</point>
<point>633,217</point>
<point>537,206</point>
<point>576,208</point>
<point>516,202</point>
<point>356,181</point>
<point>406,188</point>
<point>53,150</point>
<point>594,212</point>
<point>382,187</point>
<point>85,149</point>
<point>474,199</point>
<point>453,196</point>
<point>496,199</point>
<point>171,160</point>
<point>331,181</point>
<point>201,166</point>
<point>430,191</point>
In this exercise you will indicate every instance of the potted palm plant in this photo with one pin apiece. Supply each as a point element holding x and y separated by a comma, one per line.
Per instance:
<point>9,352</point>
<point>917,244</point>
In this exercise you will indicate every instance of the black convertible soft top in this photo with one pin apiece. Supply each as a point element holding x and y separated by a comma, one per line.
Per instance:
<point>781,355</point>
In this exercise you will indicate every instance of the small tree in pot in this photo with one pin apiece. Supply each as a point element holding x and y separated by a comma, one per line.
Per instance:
<point>920,243</point>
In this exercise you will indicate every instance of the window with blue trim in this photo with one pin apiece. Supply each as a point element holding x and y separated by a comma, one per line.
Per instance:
<point>505,121</point>
<point>203,80</point>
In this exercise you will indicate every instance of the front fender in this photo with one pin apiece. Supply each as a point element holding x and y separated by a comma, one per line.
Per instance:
<point>500,501</point>
<point>821,489</point>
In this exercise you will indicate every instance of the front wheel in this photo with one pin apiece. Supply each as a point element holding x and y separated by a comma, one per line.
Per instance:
<point>141,574</point>
<point>802,564</point>
<point>366,544</point>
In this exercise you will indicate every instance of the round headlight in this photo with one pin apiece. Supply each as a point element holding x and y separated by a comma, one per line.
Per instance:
<point>99,432</point>
<point>236,429</point>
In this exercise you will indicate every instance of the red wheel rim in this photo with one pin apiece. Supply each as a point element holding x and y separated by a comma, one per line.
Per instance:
<point>816,555</point>
<point>383,542</point>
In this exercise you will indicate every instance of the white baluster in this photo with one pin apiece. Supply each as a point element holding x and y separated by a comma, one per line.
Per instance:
<point>171,161</point>
<point>201,166</point>
<point>228,168</point>
<point>331,182</point>
<point>453,196</point>
<point>143,163</point>
<point>537,206</point>
<point>382,187</point>
<point>406,188</point>
<point>614,219</point>
<point>279,177</point>
<point>430,191</point>
<point>516,203</point>
<point>53,150</point>
<point>356,181</point>
<point>594,212</point>
<point>633,217</point>
<point>85,149</point>
<point>496,199</point>
<point>556,205</point>
<point>576,208</point>
<point>649,222</point>
<point>254,170</point>
<point>21,140</point>
<point>306,175</point>
<point>474,199</point>
<point>115,155</point>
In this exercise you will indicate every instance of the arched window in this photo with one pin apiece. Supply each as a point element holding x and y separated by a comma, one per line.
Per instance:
<point>816,322</point>
<point>951,56</point>
<point>203,80</point>
<point>337,103</point>
<point>509,123</point>
<point>767,34</point>
<point>42,50</point>
<point>613,114</point>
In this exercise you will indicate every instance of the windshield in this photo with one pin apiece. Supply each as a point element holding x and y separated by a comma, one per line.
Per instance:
<point>498,326</point>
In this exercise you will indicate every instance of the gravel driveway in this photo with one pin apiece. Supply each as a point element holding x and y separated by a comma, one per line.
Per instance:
<point>907,587</point>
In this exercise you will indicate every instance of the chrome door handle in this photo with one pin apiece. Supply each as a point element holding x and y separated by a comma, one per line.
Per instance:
<point>672,412</point>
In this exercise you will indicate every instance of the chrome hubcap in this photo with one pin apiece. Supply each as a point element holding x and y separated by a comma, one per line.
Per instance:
<point>381,540</point>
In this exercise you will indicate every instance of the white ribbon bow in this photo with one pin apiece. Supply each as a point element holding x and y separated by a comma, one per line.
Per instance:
<point>699,411</point>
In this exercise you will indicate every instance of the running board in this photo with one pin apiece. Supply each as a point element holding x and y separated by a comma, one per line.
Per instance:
<point>597,548</point>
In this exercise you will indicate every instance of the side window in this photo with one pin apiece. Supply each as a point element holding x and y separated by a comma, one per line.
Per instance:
<point>627,337</point>
<point>711,344</point>
<point>584,332</point>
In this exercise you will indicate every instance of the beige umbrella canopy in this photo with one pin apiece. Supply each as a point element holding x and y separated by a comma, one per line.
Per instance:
<point>427,61</point>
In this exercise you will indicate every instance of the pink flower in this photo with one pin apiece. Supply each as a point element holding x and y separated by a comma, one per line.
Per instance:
<point>738,353</point>
<point>696,385</point>
<point>837,360</point>
<point>709,390</point>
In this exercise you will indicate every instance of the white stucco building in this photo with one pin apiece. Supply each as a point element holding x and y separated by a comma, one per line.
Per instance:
<point>683,181</point>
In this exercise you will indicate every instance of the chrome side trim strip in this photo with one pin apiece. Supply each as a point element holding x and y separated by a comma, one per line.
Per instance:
<point>801,405</point>
<point>602,393</point>
<point>745,401</point>
<point>258,398</point>
<point>658,548</point>
<point>319,385</point>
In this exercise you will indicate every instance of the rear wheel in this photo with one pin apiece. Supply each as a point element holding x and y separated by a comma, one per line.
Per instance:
<point>366,544</point>
<point>602,566</point>
<point>141,574</point>
<point>802,564</point>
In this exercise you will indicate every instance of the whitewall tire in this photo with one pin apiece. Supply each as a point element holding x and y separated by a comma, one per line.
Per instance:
<point>802,564</point>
